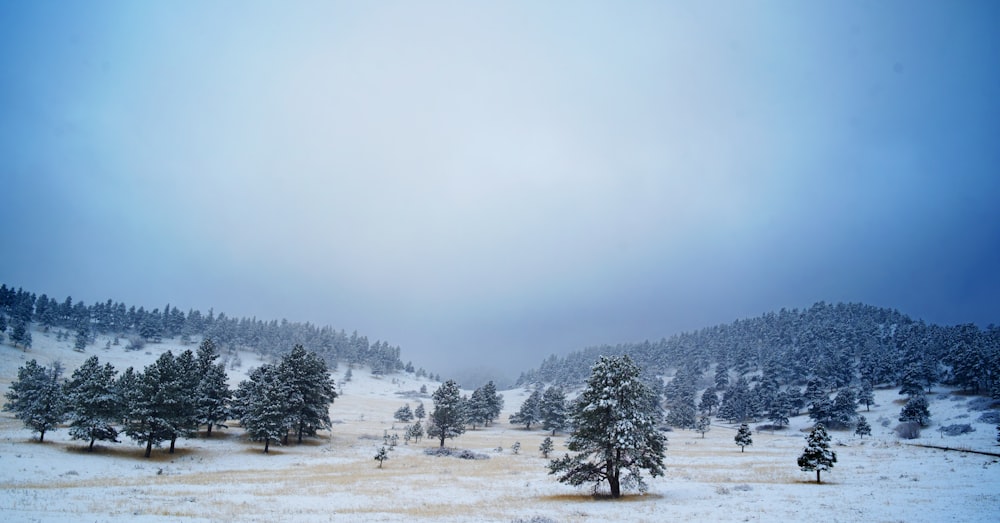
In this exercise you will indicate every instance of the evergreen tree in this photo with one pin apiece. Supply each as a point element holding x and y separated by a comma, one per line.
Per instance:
<point>516,447</point>
<point>866,396</point>
<point>547,447</point>
<point>310,391</point>
<point>183,387</point>
<point>703,425</point>
<point>403,414</point>
<point>910,382</point>
<point>708,401</point>
<point>916,410</point>
<point>419,412</point>
<point>478,409</point>
<point>448,418</point>
<point>744,437</point>
<point>415,431</point>
<point>494,402</point>
<point>21,334</point>
<point>92,402</point>
<point>36,397</point>
<point>817,454</point>
<point>843,409</point>
<point>615,434</point>
<point>530,411</point>
<point>259,403</point>
<point>213,394</point>
<point>779,410</point>
<point>381,456</point>
<point>863,429</point>
<point>82,336</point>
<point>553,409</point>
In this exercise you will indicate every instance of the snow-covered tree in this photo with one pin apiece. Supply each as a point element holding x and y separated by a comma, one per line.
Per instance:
<point>381,456</point>
<point>448,418</point>
<point>863,429</point>
<point>158,404</point>
<point>547,447</point>
<point>615,434</point>
<point>843,409</point>
<point>866,396</point>
<point>817,454</point>
<point>21,334</point>
<point>403,414</point>
<point>744,437</point>
<point>703,424</point>
<point>419,412</point>
<point>36,397</point>
<point>553,409</point>
<point>415,432</point>
<point>484,405</point>
<point>259,403</point>
<point>709,401</point>
<point>530,411</point>
<point>916,410</point>
<point>516,447</point>
<point>92,402</point>
<point>213,396</point>
<point>310,391</point>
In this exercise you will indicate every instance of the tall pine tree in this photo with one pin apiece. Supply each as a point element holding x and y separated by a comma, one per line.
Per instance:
<point>36,397</point>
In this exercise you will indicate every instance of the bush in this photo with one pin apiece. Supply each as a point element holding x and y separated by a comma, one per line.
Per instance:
<point>908,430</point>
<point>455,453</point>
<point>982,403</point>
<point>992,417</point>
<point>957,430</point>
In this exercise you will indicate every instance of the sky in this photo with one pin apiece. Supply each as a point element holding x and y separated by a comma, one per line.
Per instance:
<point>487,183</point>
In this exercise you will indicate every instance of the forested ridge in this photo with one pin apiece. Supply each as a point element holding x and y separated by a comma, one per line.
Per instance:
<point>837,345</point>
<point>137,325</point>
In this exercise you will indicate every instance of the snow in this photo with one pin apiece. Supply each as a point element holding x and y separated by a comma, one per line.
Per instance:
<point>336,478</point>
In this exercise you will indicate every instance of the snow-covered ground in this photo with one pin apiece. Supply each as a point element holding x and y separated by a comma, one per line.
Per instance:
<point>335,477</point>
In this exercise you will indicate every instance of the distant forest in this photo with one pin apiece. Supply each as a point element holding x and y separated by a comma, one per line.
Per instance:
<point>20,308</point>
<point>833,346</point>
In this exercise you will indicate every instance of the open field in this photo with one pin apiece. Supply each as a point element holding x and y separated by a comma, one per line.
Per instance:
<point>335,478</point>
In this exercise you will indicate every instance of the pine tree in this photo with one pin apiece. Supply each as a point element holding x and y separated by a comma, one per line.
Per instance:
<point>403,414</point>
<point>381,456</point>
<point>916,410</point>
<point>703,425</point>
<point>92,402</point>
<point>213,395</point>
<point>863,429</point>
<point>615,435</point>
<point>158,404</point>
<point>415,432</point>
<point>310,391</point>
<point>419,412</point>
<point>37,398</point>
<point>817,454</point>
<point>183,387</point>
<point>448,418</point>
<point>843,409</point>
<point>516,447</point>
<point>866,396</point>
<point>478,408</point>
<point>744,437</point>
<point>553,409</point>
<point>259,403</point>
<point>530,411</point>
<point>708,401</point>
<point>546,447</point>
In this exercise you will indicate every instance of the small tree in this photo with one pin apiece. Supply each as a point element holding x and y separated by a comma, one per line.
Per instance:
<point>863,429</point>
<point>817,454</point>
<point>415,431</point>
<point>516,447</point>
<point>259,404</point>
<point>709,401</point>
<point>866,396</point>
<point>36,397</point>
<point>546,447</point>
<point>743,437</point>
<point>530,411</point>
<point>703,425</point>
<point>553,409</point>
<point>916,410</point>
<point>403,414</point>
<point>419,412</point>
<point>448,419</point>
<point>381,456</point>
<point>615,430</point>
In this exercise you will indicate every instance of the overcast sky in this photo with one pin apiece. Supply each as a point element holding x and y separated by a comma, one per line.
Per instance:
<point>487,183</point>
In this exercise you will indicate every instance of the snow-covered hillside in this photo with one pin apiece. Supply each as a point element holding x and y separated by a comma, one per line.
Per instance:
<point>335,477</point>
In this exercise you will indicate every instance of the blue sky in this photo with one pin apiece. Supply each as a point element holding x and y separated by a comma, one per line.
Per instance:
<point>504,180</point>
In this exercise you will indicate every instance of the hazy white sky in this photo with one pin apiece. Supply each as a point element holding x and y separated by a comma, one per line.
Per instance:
<point>504,180</point>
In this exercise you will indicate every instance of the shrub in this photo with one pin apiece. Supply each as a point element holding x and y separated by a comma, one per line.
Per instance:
<point>957,430</point>
<point>908,430</point>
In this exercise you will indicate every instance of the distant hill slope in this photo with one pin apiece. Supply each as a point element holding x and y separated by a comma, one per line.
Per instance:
<point>838,344</point>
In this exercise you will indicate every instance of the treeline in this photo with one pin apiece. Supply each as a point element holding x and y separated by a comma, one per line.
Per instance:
<point>20,308</point>
<point>838,344</point>
<point>175,396</point>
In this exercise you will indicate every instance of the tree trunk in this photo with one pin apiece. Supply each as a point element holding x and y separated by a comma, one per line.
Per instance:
<point>267,443</point>
<point>741,449</point>
<point>817,476</point>
<point>300,432</point>
<point>172,441</point>
<point>149,446</point>
<point>209,430</point>
<point>91,449</point>
<point>41,436</point>
<point>442,439</point>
